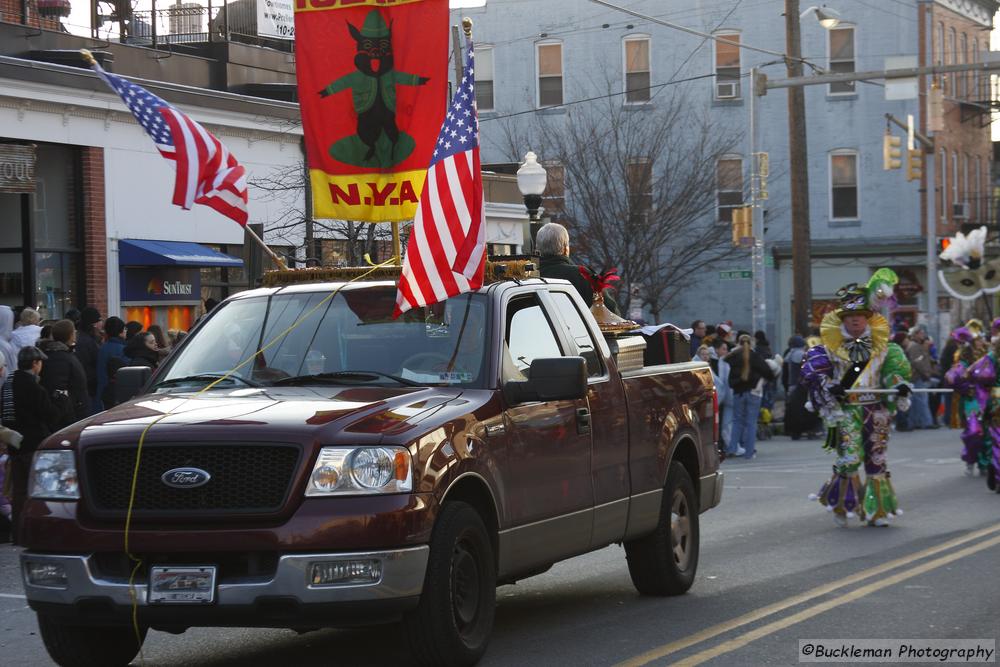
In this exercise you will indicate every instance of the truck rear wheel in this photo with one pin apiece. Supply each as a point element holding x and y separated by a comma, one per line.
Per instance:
<point>452,624</point>
<point>665,561</point>
<point>86,646</point>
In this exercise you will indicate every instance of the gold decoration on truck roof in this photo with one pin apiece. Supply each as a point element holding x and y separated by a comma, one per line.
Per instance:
<point>497,271</point>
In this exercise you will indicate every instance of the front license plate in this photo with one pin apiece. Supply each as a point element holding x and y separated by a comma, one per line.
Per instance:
<point>182,585</point>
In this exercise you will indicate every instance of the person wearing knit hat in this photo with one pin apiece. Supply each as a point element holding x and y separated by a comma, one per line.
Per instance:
<point>856,355</point>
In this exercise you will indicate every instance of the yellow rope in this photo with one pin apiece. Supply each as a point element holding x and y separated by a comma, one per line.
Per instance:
<point>133,597</point>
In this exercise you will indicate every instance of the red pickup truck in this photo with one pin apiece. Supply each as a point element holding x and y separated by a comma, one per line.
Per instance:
<point>362,469</point>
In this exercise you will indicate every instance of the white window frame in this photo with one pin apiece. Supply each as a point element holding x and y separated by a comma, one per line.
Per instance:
<point>840,152</point>
<point>638,37</point>
<point>949,56</point>
<point>975,93</point>
<point>829,57</point>
<point>715,66</point>
<point>718,191</point>
<point>966,168</point>
<point>977,205</point>
<point>944,214</point>
<point>538,73</point>
<point>551,166</point>
<point>939,54</point>
<point>963,77</point>
<point>481,49</point>
<point>954,183</point>
<point>647,162</point>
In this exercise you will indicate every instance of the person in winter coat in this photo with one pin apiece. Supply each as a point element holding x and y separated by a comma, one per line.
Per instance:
<point>141,350</point>
<point>552,243</point>
<point>747,371</point>
<point>36,418</point>
<point>88,344</point>
<point>112,353</point>
<point>7,348</point>
<point>64,372</point>
<point>29,331</point>
<point>724,393</point>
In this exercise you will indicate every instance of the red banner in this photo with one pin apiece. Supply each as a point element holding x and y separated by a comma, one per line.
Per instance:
<point>373,84</point>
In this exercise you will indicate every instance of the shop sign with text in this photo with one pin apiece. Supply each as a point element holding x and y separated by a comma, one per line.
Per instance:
<point>17,168</point>
<point>161,284</point>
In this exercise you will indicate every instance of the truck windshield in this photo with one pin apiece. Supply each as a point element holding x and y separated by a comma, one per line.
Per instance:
<point>306,338</point>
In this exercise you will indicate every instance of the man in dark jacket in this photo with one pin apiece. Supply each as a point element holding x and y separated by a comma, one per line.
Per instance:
<point>88,344</point>
<point>36,418</point>
<point>64,372</point>
<point>110,357</point>
<point>552,243</point>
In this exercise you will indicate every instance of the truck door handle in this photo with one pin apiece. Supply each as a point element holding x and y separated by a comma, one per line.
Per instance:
<point>582,421</point>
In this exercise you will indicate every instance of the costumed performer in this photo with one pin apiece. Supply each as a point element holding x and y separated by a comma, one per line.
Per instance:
<point>856,354</point>
<point>973,378</point>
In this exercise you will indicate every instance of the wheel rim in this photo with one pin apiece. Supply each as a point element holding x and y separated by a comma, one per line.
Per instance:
<point>680,530</point>
<point>465,585</point>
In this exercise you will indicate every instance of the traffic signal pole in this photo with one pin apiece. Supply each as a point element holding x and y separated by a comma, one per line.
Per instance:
<point>759,295</point>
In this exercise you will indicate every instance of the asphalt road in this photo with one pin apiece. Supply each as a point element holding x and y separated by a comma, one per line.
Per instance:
<point>774,570</point>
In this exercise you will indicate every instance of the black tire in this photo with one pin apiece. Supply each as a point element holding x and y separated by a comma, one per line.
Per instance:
<point>665,561</point>
<point>451,626</point>
<point>84,646</point>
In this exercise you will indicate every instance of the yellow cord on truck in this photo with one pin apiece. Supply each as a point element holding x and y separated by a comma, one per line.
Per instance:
<point>133,597</point>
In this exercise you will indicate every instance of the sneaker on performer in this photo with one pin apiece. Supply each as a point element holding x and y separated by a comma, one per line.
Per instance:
<point>969,469</point>
<point>880,522</point>
<point>840,520</point>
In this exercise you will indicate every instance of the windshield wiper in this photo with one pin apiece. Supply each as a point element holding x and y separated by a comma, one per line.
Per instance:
<point>345,377</point>
<point>209,377</point>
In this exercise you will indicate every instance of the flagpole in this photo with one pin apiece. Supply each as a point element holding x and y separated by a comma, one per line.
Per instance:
<point>396,248</point>
<point>280,263</point>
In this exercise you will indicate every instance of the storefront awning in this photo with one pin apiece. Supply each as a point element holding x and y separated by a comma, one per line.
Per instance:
<point>136,252</point>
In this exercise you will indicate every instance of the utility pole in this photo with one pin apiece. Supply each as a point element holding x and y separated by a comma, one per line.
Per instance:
<point>798,167</point>
<point>758,293</point>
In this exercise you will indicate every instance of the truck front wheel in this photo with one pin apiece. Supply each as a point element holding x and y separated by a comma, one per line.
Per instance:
<point>452,624</point>
<point>85,646</point>
<point>665,561</point>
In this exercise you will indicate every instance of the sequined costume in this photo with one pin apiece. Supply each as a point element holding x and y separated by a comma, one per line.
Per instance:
<point>858,424</point>
<point>973,384</point>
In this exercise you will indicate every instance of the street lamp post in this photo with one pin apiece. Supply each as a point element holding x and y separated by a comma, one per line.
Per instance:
<point>531,180</point>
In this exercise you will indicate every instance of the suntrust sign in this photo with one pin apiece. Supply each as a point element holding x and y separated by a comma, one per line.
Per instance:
<point>156,284</point>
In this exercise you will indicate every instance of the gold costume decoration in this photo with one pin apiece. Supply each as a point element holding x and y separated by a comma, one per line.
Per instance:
<point>833,337</point>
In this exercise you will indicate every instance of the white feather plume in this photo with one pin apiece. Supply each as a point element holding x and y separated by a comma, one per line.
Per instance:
<point>964,248</point>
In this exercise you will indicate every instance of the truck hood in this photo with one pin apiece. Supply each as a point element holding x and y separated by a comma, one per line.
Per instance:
<point>324,414</point>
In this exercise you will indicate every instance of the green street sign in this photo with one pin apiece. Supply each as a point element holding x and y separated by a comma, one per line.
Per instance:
<point>735,275</point>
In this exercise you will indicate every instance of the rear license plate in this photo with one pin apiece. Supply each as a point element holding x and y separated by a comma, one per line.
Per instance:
<point>182,585</point>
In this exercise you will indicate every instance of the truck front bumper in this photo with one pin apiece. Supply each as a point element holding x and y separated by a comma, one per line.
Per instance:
<point>288,599</point>
<point>711,490</point>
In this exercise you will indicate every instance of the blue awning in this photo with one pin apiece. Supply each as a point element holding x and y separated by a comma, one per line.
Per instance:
<point>135,252</point>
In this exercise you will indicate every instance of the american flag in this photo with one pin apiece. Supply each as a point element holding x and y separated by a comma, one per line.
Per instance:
<point>446,252</point>
<point>207,173</point>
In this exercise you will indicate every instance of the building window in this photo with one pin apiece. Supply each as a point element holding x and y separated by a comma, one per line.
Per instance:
<point>554,197</point>
<point>975,93</point>
<point>550,75</point>
<point>844,185</point>
<point>484,78</point>
<point>727,66</point>
<point>963,77</point>
<point>729,186</point>
<point>949,56</point>
<point>639,180</point>
<point>977,199</point>
<point>966,174</point>
<point>637,78</point>
<point>942,185</point>
<point>841,58</point>
<point>954,183</point>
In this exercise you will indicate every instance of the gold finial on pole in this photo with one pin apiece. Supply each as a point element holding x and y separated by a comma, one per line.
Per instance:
<point>88,57</point>
<point>467,27</point>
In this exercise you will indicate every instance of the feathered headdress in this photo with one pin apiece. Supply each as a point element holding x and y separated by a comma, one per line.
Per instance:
<point>599,281</point>
<point>966,251</point>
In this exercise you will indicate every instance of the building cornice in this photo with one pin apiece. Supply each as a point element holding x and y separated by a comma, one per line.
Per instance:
<point>980,11</point>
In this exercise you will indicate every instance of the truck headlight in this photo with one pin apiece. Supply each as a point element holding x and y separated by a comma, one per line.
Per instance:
<point>345,471</point>
<point>53,476</point>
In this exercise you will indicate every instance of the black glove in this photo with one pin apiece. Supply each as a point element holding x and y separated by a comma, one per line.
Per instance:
<point>838,391</point>
<point>903,390</point>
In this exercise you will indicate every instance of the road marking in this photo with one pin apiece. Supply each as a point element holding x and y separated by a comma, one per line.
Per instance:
<point>764,612</point>
<point>806,614</point>
<point>12,595</point>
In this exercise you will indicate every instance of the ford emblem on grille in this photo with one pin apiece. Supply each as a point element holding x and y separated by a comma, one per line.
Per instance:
<point>185,478</point>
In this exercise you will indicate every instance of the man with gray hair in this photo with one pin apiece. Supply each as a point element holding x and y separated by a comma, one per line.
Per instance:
<point>28,331</point>
<point>922,368</point>
<point>552,244</point>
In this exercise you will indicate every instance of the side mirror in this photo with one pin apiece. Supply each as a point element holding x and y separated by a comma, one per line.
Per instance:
<point>555,379</point>
<point>129,381</point>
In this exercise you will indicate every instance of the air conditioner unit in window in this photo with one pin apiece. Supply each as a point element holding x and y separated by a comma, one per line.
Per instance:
<point>960,211</point>
<point>725,91</point>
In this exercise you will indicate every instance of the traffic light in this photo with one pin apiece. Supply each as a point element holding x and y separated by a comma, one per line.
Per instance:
<point>892,151</point>
<point>914,164</point>
<point>742,225</point>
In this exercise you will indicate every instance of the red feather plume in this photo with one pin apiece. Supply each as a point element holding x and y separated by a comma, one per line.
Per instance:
<point>599,281</point>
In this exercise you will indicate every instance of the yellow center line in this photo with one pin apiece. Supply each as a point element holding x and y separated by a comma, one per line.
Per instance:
<point>815,610</point>
<point>764,612</point>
